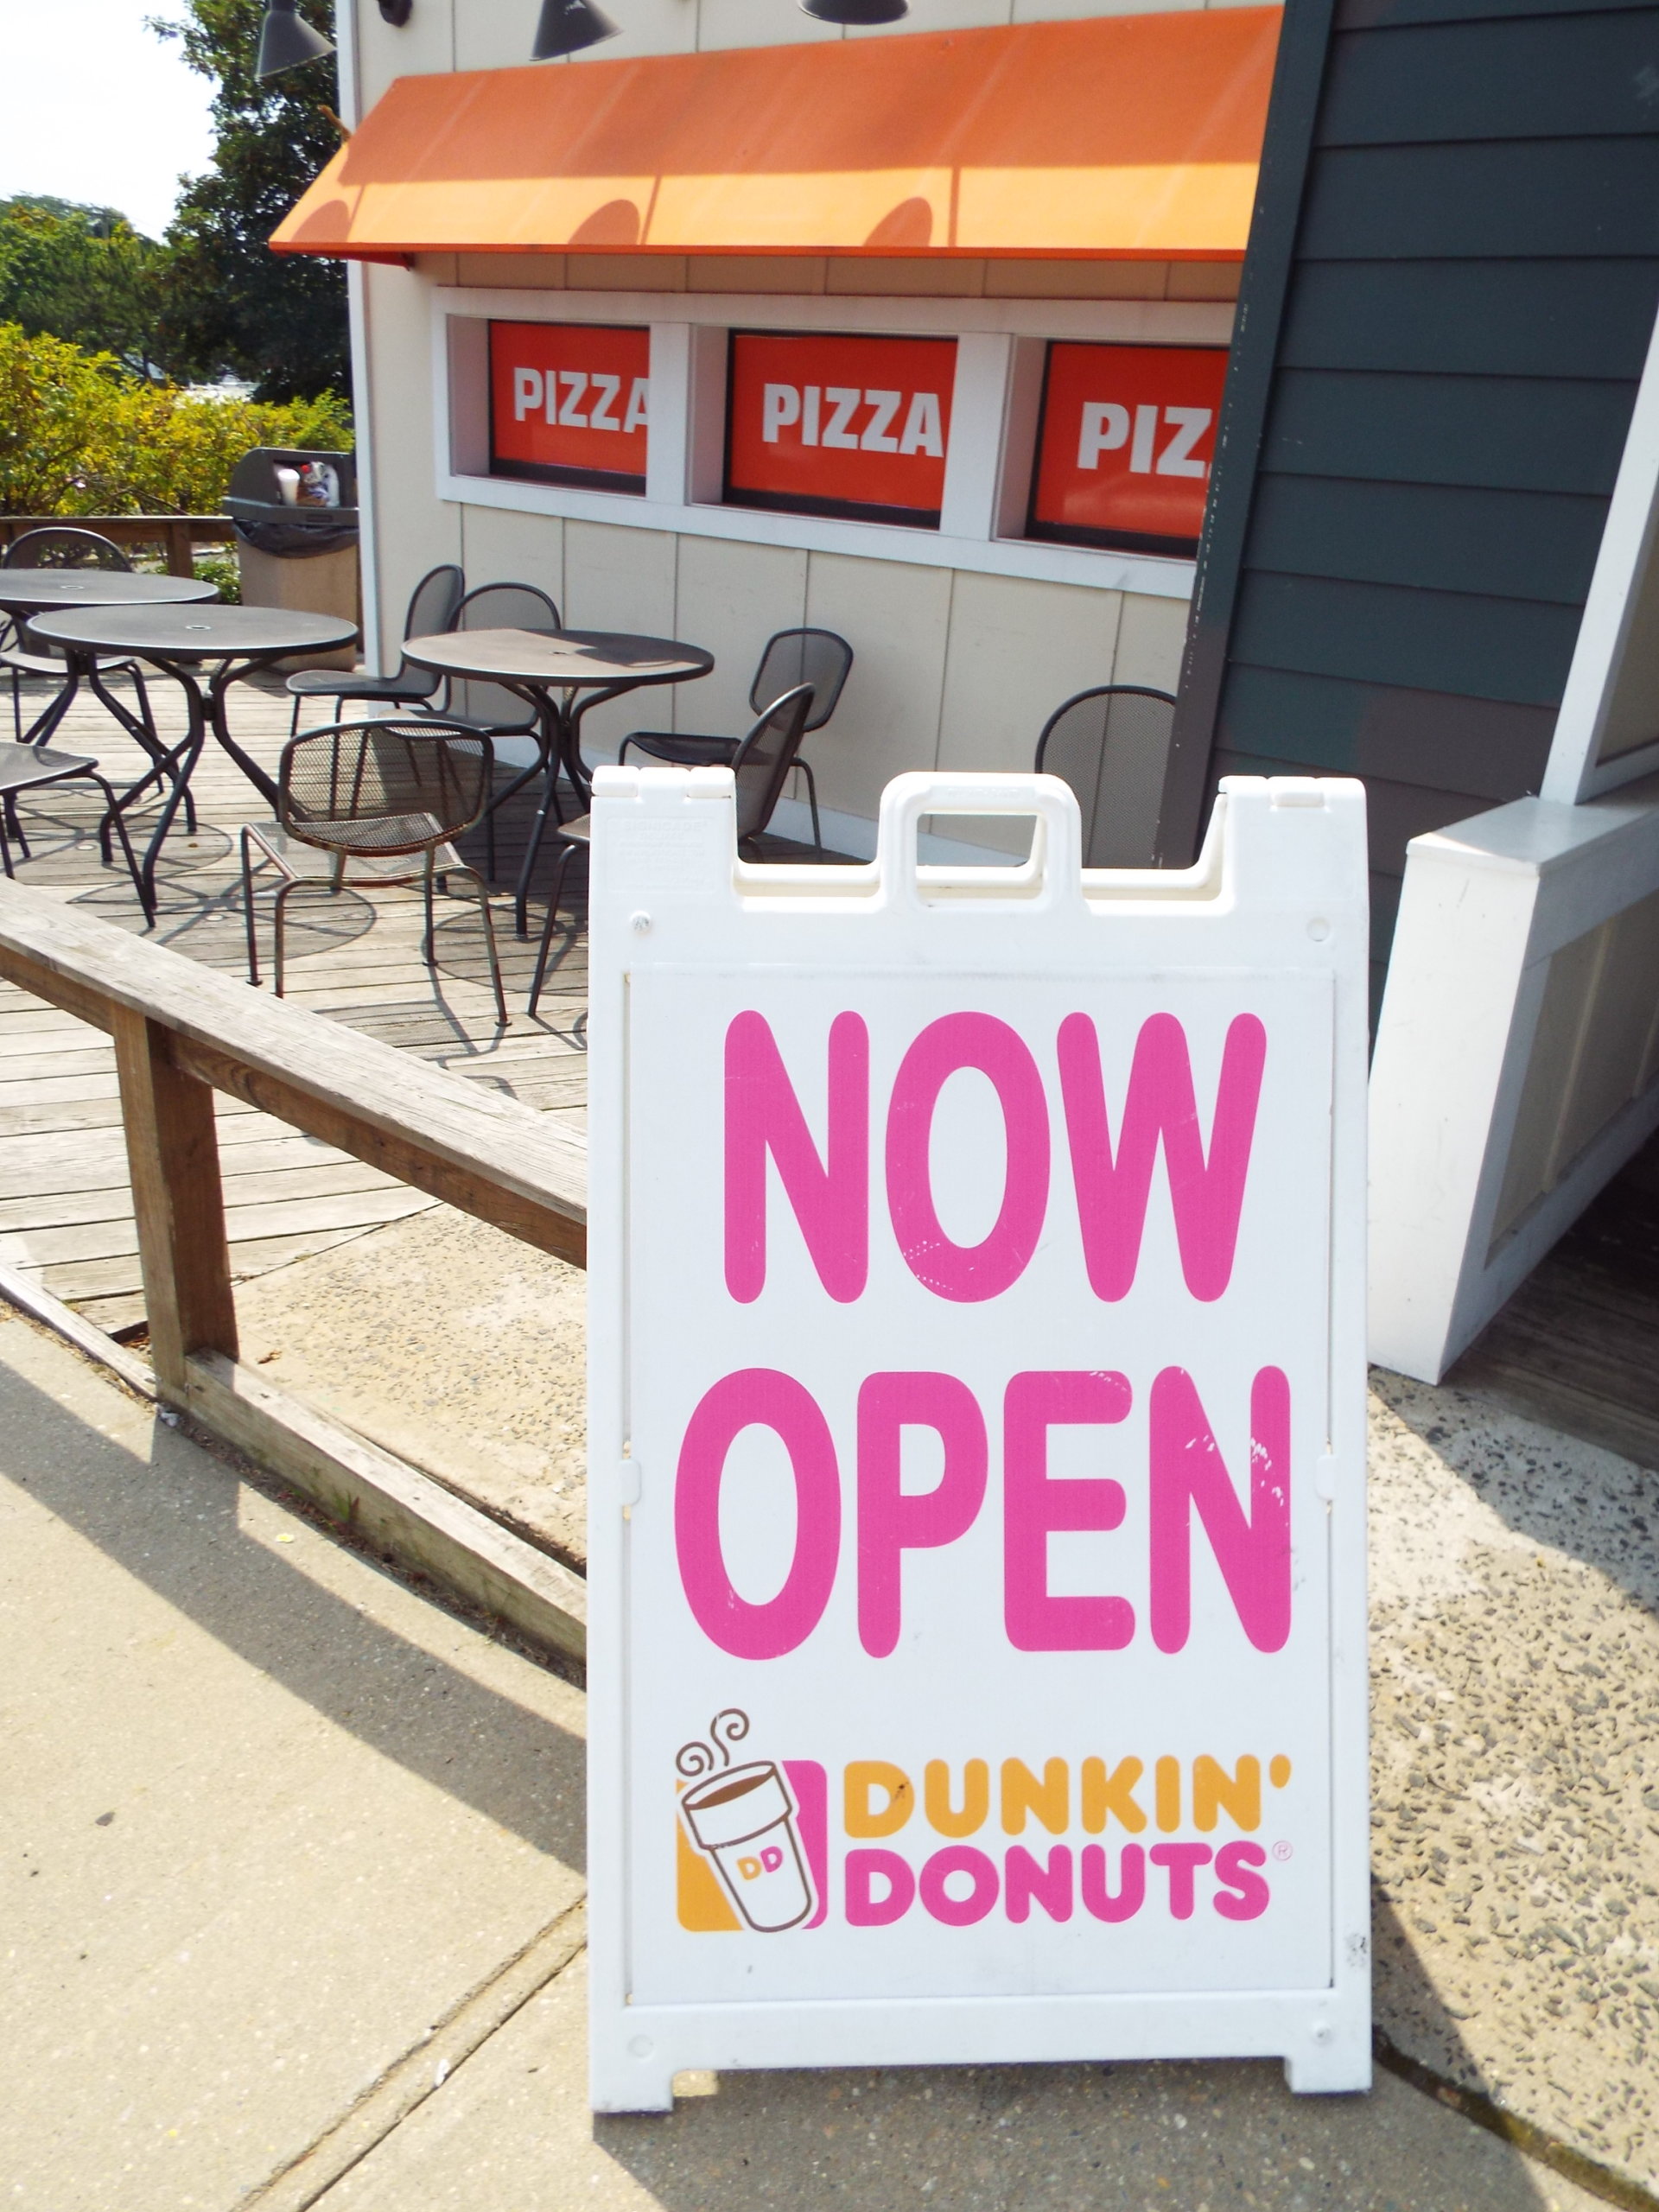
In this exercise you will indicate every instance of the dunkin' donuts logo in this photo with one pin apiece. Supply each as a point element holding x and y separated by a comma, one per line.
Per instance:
<point>755,1855</point>
<point>752,1840</point>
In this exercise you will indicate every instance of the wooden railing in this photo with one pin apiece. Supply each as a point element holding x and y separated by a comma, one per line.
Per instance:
<point>176,535</point>
<point>182,1031</point>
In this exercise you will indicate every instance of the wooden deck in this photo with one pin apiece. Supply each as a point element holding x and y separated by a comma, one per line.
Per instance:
<point>65,1209</point>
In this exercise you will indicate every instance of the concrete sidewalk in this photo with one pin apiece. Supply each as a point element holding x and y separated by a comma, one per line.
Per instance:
<point>291,1861</point>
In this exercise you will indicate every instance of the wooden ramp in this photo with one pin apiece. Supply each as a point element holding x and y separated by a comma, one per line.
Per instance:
<point>66,1208</point>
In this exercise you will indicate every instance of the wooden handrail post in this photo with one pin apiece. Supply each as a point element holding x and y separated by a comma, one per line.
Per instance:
<point>173,1161</point>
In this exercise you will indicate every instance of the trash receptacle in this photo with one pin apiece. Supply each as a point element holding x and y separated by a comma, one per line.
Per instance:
<point>296,529</point>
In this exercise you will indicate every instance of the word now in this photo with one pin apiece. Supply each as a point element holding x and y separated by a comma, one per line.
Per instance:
<point>829,1196</point>
<point>825,412</point>
<point>960,1886</point>
<point>1107,427</point>
<point>532,391</point>
<point>1186,1475</point>
<point>878,1798</point>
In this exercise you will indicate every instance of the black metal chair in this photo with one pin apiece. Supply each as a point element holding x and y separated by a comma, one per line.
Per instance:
<point>431,611</point>
<point>490,709</point>
<point>820,657</point>
<point>54,547</point>
<point>33,767</point>
<point>364,805</point>
<point>761,766</point>
<point>1077,744</point>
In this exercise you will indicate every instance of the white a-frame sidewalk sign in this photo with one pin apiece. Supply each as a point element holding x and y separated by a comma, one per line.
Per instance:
<point>976,1444</point>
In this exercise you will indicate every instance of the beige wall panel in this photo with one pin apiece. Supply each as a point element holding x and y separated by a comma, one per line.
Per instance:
<point>425,45</point>
<point>618,579</point>
<point>1204,280</point>
<point>504,547</point>
<point>754,272</point>
<point>1052,11</point>
<point>731,597</point>
<point>517,271</point>
<point>879,277</point>
<point>626,272</point>
<point>757,23</point>
<point>414,529</point>
<point>1076,280</point>
<point>896,618</point>
<point>438,268</point>
<point>645,27</point>
<point>1017,649</point>
<point>1151,641</point>
<point>940,15</point>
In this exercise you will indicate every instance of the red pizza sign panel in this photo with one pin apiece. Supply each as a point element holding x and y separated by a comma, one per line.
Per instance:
<point>568,404</point>
<point>839,426</point>
<point>1128,435</point>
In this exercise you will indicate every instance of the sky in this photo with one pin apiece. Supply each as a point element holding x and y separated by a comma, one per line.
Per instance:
<point>98,108</point>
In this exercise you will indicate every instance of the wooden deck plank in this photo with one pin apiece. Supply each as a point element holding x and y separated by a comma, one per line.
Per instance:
<point>63,1178</point>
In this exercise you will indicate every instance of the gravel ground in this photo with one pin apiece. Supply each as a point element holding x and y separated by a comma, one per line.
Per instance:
<point>1514,1663</point>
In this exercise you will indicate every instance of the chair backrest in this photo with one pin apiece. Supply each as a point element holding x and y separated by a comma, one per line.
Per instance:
<point>765,757</point>
<point>64,548</point>
<point>815,657</point>
<point>1108,744</point>
<point>433,601</point>
<point>382,788</point>
<point>499,607</point>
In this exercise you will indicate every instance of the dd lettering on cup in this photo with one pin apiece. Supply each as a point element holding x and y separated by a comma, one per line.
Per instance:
<point>743,1821</point>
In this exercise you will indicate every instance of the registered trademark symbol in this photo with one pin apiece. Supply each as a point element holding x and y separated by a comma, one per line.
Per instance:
<point>1281,1851</point>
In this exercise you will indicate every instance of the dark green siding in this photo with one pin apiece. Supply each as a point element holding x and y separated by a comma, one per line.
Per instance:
<point>1451,289</point>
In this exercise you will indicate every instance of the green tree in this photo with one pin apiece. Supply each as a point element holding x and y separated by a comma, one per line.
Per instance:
<point>80,273</point>
<point>81,435</point>
<point>229,302</point>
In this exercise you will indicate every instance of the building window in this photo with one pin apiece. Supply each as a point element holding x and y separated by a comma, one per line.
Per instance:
<point>1124,445</point>
<point>856,427</point>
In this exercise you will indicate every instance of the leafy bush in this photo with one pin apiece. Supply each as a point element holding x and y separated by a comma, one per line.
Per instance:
<point>81,435</point>
<point>224,572</point>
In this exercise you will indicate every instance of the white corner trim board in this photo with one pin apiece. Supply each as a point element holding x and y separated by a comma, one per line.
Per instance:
<point>1619,618</point>
<point>1471,1083</point>
<point>993,425</point>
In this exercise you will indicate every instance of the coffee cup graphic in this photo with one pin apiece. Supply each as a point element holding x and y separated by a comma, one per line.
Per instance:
<point>743,1820</point>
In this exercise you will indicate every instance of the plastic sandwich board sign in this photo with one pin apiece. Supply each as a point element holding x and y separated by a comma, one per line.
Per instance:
<point>977,1429</point>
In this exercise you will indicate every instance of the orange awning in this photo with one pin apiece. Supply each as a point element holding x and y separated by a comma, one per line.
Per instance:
<point>1118,137</point>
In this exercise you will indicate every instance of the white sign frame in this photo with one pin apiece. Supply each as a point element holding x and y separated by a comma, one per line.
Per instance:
<point>1275,912</point>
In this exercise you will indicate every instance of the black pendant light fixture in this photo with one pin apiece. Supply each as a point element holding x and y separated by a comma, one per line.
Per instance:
<point>567,26</point>
<point>856,13</point>
<point>286,40</point>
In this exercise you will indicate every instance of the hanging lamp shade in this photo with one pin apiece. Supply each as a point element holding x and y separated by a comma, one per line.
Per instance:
<point>567,26</point>
<point>856,12</point>
<point>286,40</point>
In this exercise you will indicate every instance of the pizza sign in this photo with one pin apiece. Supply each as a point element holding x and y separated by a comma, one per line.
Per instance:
<point>1128,435</point>
<point>570,404</point>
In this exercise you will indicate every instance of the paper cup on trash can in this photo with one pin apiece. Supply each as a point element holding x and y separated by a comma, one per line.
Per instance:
<point>743,1818</point>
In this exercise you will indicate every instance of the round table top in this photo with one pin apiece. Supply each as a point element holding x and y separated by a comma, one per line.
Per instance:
<point>196,633</point>
<point>559,657</point>
<point>22,588</point>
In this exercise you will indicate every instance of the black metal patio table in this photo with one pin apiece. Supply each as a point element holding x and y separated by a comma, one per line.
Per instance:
<point>550,670</point>
<point>239,640</point>
<point>28,594</point>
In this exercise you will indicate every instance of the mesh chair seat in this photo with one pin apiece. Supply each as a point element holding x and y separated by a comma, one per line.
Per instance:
<point>354,855</point>
<point>55,547</point>
<point>27,664</point>
<point>328,683</point>
<point>23,765</point>
<point>686,752</point>
<point>365,804</point>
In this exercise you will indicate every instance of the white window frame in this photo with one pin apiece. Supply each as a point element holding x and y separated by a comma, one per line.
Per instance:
<point>992,430</point>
